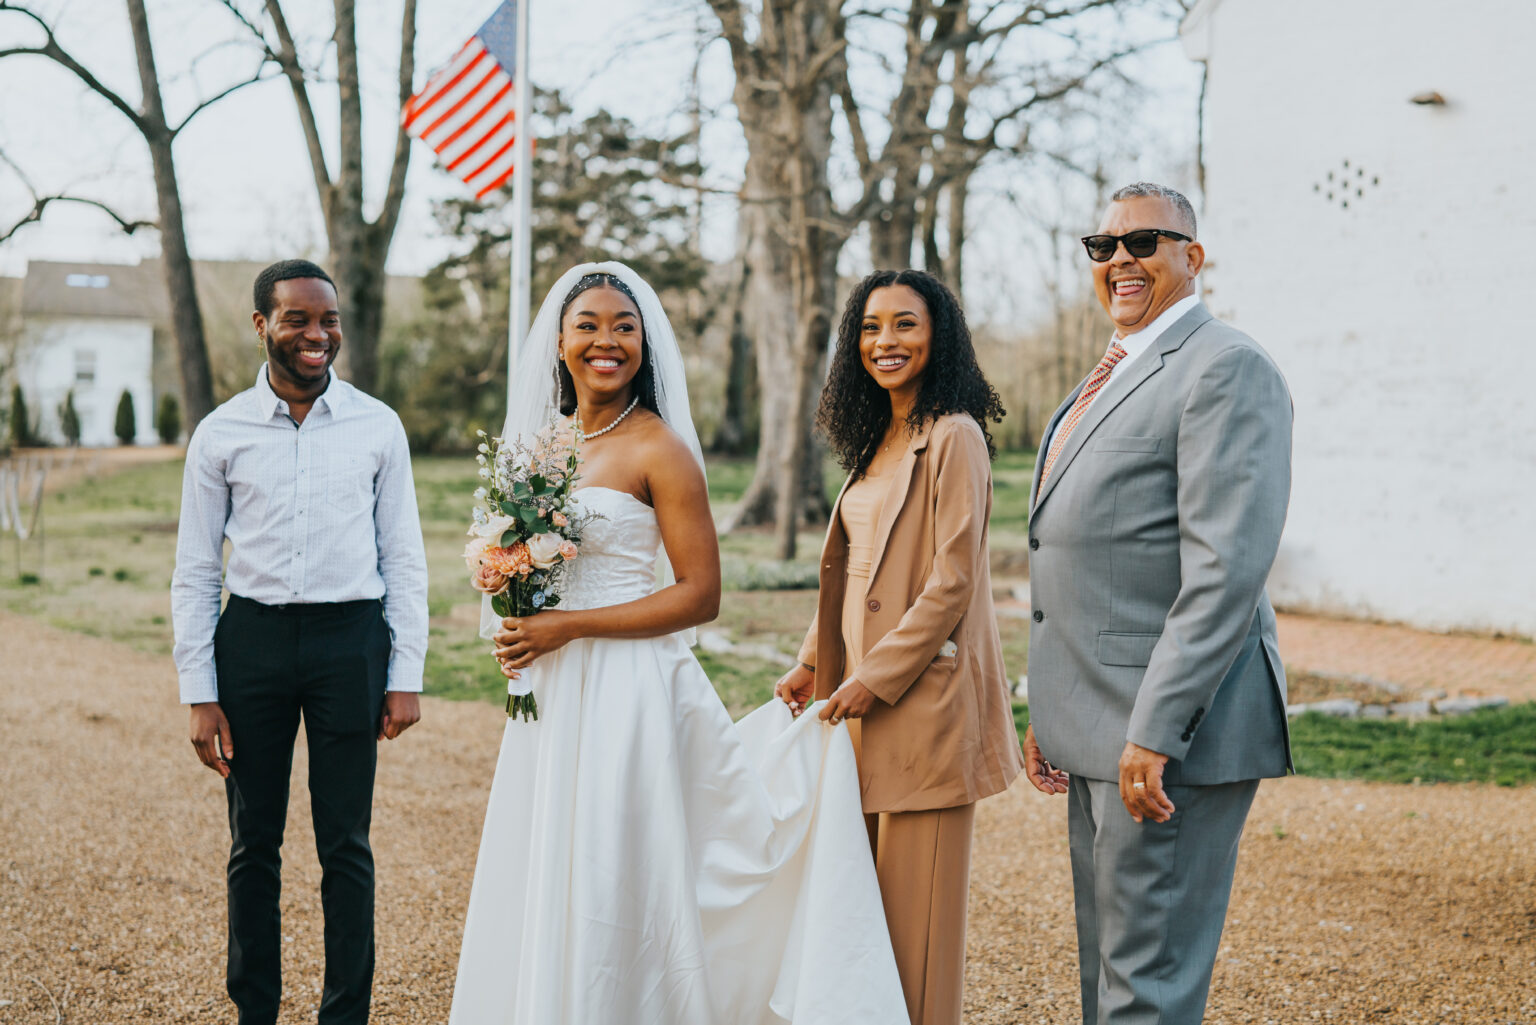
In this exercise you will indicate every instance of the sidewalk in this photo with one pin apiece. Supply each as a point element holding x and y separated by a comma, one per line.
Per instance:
<point>1415,660</point>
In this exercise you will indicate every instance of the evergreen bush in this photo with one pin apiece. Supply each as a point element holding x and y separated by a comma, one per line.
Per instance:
<point>126,425</point>
<point>168,420</point>
<point>21,421</point>
<point>69,419</point>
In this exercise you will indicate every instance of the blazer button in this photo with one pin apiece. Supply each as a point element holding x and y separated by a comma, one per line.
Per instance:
<point>1034,544</point>
<point>1038,616</point>
<point>874,606</point>
<point>1184,737</point>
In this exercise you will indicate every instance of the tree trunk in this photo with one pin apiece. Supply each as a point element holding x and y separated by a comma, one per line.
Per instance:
<point>175,262</point>
<point>735,433</point>
<point>954,257</point>
<point>792,256</point>
<point>352,257</point>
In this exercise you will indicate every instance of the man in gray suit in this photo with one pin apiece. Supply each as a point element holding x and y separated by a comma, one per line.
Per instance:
<point>1155,682</point>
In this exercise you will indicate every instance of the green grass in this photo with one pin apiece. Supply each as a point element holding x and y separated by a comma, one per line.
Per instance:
<point>104,566</point>
<point>1496,745</point>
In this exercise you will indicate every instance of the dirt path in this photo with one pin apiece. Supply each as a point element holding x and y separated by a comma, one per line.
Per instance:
<point>1354,903</point>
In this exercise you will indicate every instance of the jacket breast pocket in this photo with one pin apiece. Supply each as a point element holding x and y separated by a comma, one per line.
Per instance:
<point>1124,649</point>
<point>1127,443</point>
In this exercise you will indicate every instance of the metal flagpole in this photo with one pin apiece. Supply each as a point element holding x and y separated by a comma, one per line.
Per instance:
<point>522,199</point>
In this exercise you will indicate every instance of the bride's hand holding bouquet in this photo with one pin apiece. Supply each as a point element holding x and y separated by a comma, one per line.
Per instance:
<point>524,532</point>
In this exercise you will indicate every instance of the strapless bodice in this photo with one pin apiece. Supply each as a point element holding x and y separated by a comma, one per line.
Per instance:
<point>619,545</point>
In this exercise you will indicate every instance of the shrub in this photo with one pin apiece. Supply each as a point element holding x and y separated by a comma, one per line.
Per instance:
<point>168,420</point>
<point>21,420</point>
<point>126,425</point>
<point>69,419</point>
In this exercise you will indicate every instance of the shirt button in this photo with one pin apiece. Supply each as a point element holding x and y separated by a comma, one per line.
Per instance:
<point>1038,616</point>
<point>874,606</point>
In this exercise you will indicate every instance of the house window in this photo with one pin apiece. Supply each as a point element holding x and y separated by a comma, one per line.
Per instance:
<point>87,280</point>
<point>85,367</point>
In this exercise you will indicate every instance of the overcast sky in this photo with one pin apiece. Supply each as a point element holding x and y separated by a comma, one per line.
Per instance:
<point>245,178</point>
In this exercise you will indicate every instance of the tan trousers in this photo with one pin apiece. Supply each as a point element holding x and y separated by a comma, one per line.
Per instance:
<point>923,863</point>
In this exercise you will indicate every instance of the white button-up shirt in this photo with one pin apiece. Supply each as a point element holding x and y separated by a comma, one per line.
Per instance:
<point>319,511</point>
<point>1134,345</point>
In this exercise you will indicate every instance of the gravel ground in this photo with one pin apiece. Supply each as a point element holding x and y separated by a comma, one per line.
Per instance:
<point>1354,902</point>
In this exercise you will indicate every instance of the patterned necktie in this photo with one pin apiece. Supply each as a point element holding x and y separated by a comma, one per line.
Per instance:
<point>1084,399</point>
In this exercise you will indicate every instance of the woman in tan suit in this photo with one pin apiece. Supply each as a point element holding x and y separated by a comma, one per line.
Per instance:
<point>904,644</point>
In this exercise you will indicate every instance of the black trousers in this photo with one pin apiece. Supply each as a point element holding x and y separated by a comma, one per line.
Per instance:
<point>327,663</point>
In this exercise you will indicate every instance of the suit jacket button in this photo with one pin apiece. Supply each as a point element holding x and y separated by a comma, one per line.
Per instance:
<point>874,606</point>
<point>1039,617</point>
<point>1185,736</point>
<point>1034,544</point>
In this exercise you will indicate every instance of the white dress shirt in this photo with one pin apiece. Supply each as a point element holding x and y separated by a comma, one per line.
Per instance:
<point>319,511</point>
<point>1134,345</point>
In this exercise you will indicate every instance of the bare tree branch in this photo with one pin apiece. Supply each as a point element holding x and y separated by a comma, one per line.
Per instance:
<point>287,58</point>
<point>41,203</point>
<point>256,78</point>
<point>394,194</point>
<point>56,53</point>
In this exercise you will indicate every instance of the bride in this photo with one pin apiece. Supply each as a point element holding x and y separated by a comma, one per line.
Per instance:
<point>645,860</point>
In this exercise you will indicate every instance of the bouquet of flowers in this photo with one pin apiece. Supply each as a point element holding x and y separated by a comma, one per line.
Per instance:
<point>524,530</point>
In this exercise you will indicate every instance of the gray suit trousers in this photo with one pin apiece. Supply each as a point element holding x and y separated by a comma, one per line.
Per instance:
<point>1151,899</point>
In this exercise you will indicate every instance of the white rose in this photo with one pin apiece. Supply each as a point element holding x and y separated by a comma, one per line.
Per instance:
<point>494,526</point>
<point>544,549</point>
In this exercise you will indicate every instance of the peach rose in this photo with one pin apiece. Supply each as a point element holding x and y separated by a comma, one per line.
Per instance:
<point>567,550</point>
<point>559,520</point>
<point>488,580</point>
<point>474,552</point>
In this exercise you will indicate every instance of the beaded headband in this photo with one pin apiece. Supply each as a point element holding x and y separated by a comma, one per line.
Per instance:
<point>587,281</point>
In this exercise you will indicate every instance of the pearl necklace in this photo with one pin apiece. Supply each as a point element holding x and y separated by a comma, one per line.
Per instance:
<point>598,434</point>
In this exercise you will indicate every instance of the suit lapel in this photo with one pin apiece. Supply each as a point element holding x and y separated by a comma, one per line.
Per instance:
<point>895,498</point>
<point>1149,363</point>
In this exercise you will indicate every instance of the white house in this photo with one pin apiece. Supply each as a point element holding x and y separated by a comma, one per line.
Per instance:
<point>89,328</point>
<point>1369,217</point>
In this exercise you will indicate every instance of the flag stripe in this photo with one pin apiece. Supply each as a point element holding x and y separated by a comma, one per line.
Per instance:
<point>488,107</point>
<point>465,111</point>
<point>491,72</point>
<point>506,124</point>
<point>442,81</point>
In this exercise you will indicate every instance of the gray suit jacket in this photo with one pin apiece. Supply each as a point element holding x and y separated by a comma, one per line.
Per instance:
<point>1149,549</point>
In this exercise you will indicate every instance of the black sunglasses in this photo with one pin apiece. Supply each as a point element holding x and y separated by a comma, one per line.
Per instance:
<point>1140,244</point>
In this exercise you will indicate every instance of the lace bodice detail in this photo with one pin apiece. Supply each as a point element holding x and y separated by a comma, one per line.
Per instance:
<point>618,551</point>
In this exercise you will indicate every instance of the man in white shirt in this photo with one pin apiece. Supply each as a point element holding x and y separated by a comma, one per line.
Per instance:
<point>310,481</point>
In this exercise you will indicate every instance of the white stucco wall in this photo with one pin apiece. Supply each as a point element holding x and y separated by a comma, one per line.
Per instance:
<point>1406,322</point>
<point>123,351</point>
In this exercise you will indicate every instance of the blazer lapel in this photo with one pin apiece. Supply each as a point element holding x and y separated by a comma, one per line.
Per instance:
<point>1149,363</point>
<point>895,498</point>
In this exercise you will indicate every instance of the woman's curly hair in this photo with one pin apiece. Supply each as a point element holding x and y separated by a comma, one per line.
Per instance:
<point>855,411</point>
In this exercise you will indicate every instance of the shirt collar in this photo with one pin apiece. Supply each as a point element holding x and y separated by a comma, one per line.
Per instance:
<point>332,400</point>
<point>1136,343</point>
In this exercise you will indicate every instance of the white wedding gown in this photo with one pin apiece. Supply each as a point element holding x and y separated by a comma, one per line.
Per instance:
<point>645,861</point>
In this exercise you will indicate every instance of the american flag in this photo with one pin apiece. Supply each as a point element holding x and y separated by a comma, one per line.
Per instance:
<point>466,112</point>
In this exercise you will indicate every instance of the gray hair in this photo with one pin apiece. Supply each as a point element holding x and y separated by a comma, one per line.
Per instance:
<point>1174,198</point>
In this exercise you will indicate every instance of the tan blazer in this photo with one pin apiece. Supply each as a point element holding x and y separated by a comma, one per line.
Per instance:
<point>942,732</point>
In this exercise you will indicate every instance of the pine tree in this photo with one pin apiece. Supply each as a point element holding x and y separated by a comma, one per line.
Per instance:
<point>168,419</point>
<point>21,421</point>
<point>69,419</point>
<point>126,425</point>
